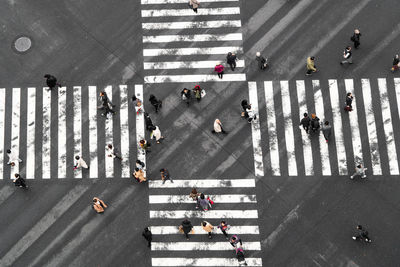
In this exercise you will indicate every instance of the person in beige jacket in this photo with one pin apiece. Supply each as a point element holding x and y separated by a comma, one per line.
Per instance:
<point>194,4</point>
<point>98,205</point>
<point>207,227</point>
<point>218,127</point>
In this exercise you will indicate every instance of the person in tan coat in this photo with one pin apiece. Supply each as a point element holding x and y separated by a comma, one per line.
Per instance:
<point>207,227</point>
<point>139,175</point>
<point>194,4</point>
<point>98,205</point>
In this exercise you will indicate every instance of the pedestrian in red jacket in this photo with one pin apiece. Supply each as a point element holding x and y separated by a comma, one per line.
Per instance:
<point>220,70</point>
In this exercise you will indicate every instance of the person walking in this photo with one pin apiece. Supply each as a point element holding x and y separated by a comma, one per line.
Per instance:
<point>305,122</point>
<point>223,226</point>
<point>396,63</point>
<point>244,105</point>
<point>12,158</point>
<point>143,144</point>
<point>148,236</point>
<point>19,181</point>
<point>111,152</point>
<point>186,227</point>
<point>362,234</point>
<point>348,102</point>
<point>311,66</point>
<point>104,98</point>
<point>165,175</point>
<point>194,4</point>
<point>347,55</point>
<point>218,127</point>
<point>139,175</point>
<point>326,130</point>
<point>262,62</point>
<point>240,256</point>
<point>157,104</point>
<point>219,69</point>
<point>148,121</point>
<point>203,202</point>
<point>51,81</point>
<point>250,114</point>
<point>98,205</point>
<point>105,104</point>
<point>80,163</point>
<point>139,164</point>
<point>359,170</point>
<point>314,123</point>
<point>231,60</point>
<point>356,38</point>
<point>197,91</point>
<point>208,227</point>
<point>156,133</point>
<point>235,240</point>
<point>186,96</point>
<point>194,194</point>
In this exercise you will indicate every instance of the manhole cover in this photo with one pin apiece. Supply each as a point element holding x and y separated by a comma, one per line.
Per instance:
<point>22,44</point>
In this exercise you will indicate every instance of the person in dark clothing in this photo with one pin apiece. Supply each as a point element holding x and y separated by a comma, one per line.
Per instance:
<point>362,234</point>
<point>149,123</point>
<point>262,62</point>
<point>186,96</point>
<point>186,228</point>
<point>51,81</point>
<point>231,60</point>
<point>157,104</point>
<point>305,122</point>
<point>347,56</point>
<point>104,98</point>
<point>240,256</point>
<point>349,101</point>
<point>234,240</point>
<point>245,106</point>
<point>314,123</point>
<point>356,38</point>
<point>223,226</point>
<point>19,181</point>
<point>165,175</point>
<point>148,236</point>
<point>396,63</point>
<point>326,130</point>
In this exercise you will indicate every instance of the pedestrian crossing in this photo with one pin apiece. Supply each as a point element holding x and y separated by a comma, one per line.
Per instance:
<point>190,44</point>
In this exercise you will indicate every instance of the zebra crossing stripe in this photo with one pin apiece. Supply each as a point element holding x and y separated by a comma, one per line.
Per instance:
<point>192,38</point>
<point>93,170</point>
<point>194,246</point>
<point>209,183</point>
<point>30,133</point>
<point>189,12</point>
<point>46,156</point>
<point>2,118</point>
<point>203,261</point>
<point>289,136</point>
<point>140,134</point>
<point>194,78</point>
<point>192,25</point>
<point>271,119</point>
<point>307,150</point>
<point>152,2</point>
<point>198,230</point>
<point>15,125</point>
<point>388,128</point>
<point>77,126</point>
<point>109,161</point>
<point>323,147</point>
<point>372,135</point>
<point>191,51</point>
<point>337,127</point>
<point>62,133</point>
<point>125,144</point>
<point>397,89</point>
<point>209,64</point>
<point>355,130</point>
<point>211,214</point>
<point>237,198</point>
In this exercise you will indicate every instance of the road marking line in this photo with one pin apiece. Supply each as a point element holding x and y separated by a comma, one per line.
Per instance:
<point>46,147</point>
<point>388,128</point>
<point>109,161</point>
<point>30,133</point>
<point>152,2</point>
<point>191,51</point>
<point>15,126</point>
<point>371,127</point>
<point>140,133</point>
<point>187,12</point>
<point>62,132</point>
<point>195,246</point>
<point>2,119</point>
<point>192,38</point>
<point>211,214</point>
<point>237,198</point>
<point>192,25</point>
<point>77,103</point>
<point>203,261</point>
<point>209,64</point>
<point>198,230</point>
<point>125,144</point>
<point>209,183</point>
<point>194,78</point>
<point>93,170</point>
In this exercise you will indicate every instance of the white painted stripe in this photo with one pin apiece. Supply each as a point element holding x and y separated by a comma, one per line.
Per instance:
<point>198,230</point>
<point>355,130</point>
<point>189,12</point>
<point>46,156</point>
<point>30,133</point>
<point>271,119</point>
<point>151,2</point>
<point>203,261</point>
<point>305,138</point>
<point>192,25</point>
<point>323,146</point>
<point>194,246</point>
<point>164,199</point>
<point>140,134</point>
<point>289,135</point>
<point>15,125</point>
<point>192,38</point>
<point>210,64</point>
<point>194,78</point>
<point>337,126</point>
<point>192,51</point>
<point>388,127</point>
<point>205,183</point>
<point>124,131</point>
<point>43,225</point>
<point>2,119</point>
<point>255,131</point>
<point>109,161</point>
<point>211,214</point>
<point>93,170</point>
<point>77,126</point>
<point>62,133</point>
<point>371,127</point>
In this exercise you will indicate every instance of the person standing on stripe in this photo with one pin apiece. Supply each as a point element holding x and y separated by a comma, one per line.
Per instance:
<point>326,130</point>
<point>104,98</point>
<point>305,122</point>
<point>310,66</point>
<point>208,227</point>
<point>148,236</point>
<point>347,55</point>
<point>51,81</point>
<point>111,152</point>
<point>235,240</point>
<point>203,202</point>
<point>356,38</point>
<point>19,181</point>
<point>139,164</point>
<point>219,69</point>
<point>223,226</point>
<point>314,123</point>
<point>231,60</point>
<point>359,170</point>
<point>348,102</point>
<point>80,163</point>
<point>12,158</point>
<point>194,4</point>
<point>186,227</point>
<point>240,256</point>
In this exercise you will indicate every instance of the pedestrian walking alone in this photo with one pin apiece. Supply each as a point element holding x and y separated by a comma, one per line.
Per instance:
<point>19,181</point>
<point>262,61</point>
<point>156,133</point>
<point>12,157</point>
<point>106,104</point>
<point>223,226</point>
<point>148,236</point>
<point>198,93</point>
<point>187,228</point>
<point>231,60</point>
<point>219,69</point>
<point>165,175</point>
<point>356,38</point>
<point>103,97</point>
<point>203,202</point>
<point>348,102</point>
<point>208,227</point>
<point>98,205</point>
<point>305,122</point>
<point>235,240</point>
<point>326,130</point>
<point>314,123</point>
<point>240,256</point>
<point>157,104</point>
<point>194,194</point>
<point>194,4</point>
<point>186,96</point>
<point>143,144</point>
<point>80,163</point>
<point>51,81</point>
<point>139,175</point>
<point>347,55</point>
<point>111,152</point>
<point>359,170</point>
<point>396,63</point>
<point>311,66</point>
<point>218,127</point>
<point>361,234</point>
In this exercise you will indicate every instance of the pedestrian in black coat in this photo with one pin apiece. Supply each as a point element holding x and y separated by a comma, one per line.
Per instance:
<point>51,81</point>
<point>245,105</point>
<point>362,234</point>
<point>186,227</point>
<point>305,122</point>
<point>186,96</point>
<point>262,62</point>
<point>149,124</point>
<point>157,104</point>
<point>148,236</point>
<point>19,181</point>
<point>326,130</point>
<point>314,123</point>
<point>356,38</point>
<point>349,101</point>
<point>231,60</point>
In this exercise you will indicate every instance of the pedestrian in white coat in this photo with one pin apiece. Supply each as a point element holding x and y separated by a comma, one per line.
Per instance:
<point>111,152</point>
<point>79,162</point>
<point>218,127</point>
<point>156,133</point>
<point>12,157</point>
